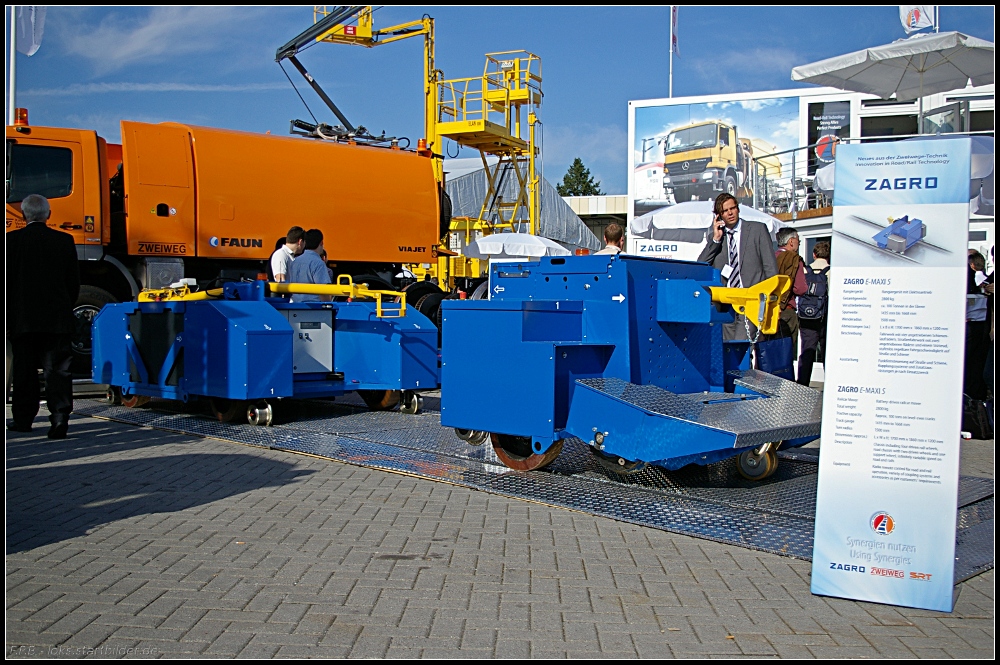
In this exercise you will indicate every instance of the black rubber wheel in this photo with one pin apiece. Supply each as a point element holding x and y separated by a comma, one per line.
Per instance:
<point>730,185</point>
<point>481,292</point>
<point>380,400</point>
<point>446,210</point>
<point>374,282</point>
<point>430,306</point>
<point>88,304</point>
<point>753,466</point>
<point>617,465</point>
<point>418,290</point>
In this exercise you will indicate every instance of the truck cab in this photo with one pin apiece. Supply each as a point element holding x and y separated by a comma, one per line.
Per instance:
<point>704,159</point>
<point>68,167</point>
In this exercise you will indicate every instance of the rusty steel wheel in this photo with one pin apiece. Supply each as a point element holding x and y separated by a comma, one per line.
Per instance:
<point>134,401</point>
<point>227,410</point>
<point>515,452</point>
<point>381,400</point>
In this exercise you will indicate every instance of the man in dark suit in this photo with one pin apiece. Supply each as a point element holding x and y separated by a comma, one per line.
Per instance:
<point>43,282</point>
<point>742,251</point>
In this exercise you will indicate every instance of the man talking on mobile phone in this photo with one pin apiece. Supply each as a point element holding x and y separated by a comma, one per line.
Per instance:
<point>741,250</point>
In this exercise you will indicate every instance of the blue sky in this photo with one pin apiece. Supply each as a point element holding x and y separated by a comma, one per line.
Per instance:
<point>215,66</point>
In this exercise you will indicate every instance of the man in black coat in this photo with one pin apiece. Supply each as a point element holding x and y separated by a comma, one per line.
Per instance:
<point>43,282</point>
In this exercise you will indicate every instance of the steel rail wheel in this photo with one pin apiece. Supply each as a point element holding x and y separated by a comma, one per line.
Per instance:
<point>227,410</point>
<point>381,400</point>
<point>411,403</point>
<point>260,414</point>
<point>515,452</point>
<point>134,401</point>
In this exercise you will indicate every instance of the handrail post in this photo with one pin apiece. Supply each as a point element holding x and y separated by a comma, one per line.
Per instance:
<point>795,192</point>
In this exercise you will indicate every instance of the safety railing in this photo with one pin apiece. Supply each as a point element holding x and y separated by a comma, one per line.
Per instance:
<point>794,181</point>
<point>510,79</point>
<point>388,304</point>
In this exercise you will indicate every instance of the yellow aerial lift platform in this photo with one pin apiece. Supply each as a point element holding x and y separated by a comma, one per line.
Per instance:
<point>494,114</point>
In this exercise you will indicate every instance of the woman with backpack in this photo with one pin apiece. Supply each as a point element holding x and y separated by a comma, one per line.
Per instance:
<point>812,311</point>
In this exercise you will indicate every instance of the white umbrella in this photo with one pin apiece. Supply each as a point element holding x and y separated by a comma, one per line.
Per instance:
<point>911,68</point>
<point>688,221</point>
<point>514,245</point>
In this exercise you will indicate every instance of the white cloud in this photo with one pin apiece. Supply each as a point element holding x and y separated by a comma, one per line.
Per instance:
<point>755,105</point>
<point>787,131</point>
<point>98,88</point>
<point>163,33</point>
<point>108,125</point>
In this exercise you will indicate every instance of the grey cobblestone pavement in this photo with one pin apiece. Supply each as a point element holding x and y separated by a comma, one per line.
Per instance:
<point>125,541</point>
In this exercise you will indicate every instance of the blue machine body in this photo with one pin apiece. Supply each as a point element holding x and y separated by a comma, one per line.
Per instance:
<point>627,347</point>
<point>901,234</point>
<point>246,346</point>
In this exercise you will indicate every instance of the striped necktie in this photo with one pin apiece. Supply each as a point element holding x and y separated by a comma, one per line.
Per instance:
<point>734,260</point>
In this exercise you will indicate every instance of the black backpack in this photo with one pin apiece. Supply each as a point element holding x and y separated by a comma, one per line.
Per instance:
<point>812,305</point>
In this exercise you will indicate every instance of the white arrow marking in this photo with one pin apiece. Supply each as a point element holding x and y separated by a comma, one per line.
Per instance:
<point>498,289</point>
<point>619,298</point>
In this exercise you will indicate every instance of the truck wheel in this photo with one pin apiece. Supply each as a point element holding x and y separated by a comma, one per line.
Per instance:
<point>730,185</point>
<point>373,282</point>
<point>88,304</point>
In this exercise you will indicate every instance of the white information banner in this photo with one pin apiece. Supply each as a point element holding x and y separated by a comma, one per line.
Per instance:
<point>888,477</point>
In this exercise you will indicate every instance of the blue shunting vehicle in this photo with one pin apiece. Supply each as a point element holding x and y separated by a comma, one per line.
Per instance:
<point>242,348</point>
<point>901,234</point>
<point>624,353</point>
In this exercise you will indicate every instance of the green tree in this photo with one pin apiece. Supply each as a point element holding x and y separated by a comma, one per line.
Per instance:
<point>578,181</point>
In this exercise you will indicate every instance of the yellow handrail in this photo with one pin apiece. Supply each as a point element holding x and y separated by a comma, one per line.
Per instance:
<point>345,287</point>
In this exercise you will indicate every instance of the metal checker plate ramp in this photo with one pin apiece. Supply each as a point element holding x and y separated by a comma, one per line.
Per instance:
<point>788,411</point>
<point>711,502</point>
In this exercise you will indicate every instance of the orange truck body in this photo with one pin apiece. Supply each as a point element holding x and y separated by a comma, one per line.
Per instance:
<point>224,197</point>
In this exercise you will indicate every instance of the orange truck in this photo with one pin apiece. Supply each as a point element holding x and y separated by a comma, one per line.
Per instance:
<point>177,201</point>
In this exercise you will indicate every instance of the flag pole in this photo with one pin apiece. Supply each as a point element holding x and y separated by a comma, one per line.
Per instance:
<point>670,47</point>
<point>13,59</point>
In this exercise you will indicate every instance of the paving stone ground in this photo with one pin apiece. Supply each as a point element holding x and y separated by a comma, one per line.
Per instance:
<point>134,542</point>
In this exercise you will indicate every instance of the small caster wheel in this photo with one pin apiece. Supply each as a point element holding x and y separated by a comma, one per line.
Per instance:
<point>755,464</point>
<point>113,396</point>
<point>134,401</point>
<point>473,437</point>
<point>411,402</point>
<point>260,414</point>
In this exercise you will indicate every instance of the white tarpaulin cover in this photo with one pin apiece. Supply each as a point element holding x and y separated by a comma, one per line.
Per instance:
<point>514,245</point>
<point>921,65</point>
<point>558,221</point>
<point>688,221</point>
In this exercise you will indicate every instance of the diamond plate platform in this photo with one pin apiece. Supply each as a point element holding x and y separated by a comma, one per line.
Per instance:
<point>754,420</point>
<point>712,502</point>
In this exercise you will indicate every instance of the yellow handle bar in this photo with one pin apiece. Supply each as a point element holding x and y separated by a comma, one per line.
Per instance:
<point>760,302</point>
